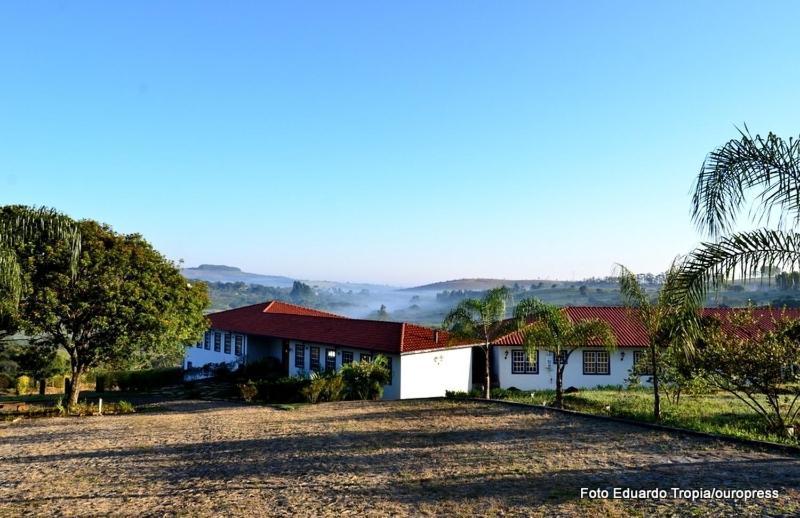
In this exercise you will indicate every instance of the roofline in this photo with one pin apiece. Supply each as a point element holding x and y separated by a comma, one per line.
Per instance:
<point>443,348</point>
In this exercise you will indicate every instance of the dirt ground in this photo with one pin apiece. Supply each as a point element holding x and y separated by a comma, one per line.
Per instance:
<point>377,458</point>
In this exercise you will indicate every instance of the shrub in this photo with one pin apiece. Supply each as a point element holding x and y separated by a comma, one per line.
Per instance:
<point>140,380</point>
<point>22,385</point>
<point>327,386</point>
<point>267,368</point>
<point>501,393</point>
<point>282,390</point>
<point>5,381</point>
<point>248,391</point>
<point>124,407</point>
<point>364,379</point>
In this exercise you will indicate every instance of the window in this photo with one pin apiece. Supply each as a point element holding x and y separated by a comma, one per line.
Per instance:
<point>641,365</point>
<point>238,344</point>
<point>227,343</point>
<point>300,356</point>
<point>389,366</point>
<point>200,343</point>
<point>207,340</point>
<point>314,359</point>
<point>217,342</point>
<point>521,365</point>
<point>365,357</point>
<point>330,359</point>
<point>347,357</point>
<point>596,362</point>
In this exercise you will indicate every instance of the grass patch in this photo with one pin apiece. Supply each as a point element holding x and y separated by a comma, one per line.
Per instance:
<point>717,413</point>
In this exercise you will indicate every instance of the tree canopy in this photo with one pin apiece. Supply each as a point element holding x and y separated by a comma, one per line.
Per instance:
<point>121,303</point>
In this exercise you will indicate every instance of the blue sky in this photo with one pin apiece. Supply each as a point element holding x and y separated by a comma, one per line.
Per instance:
<point>398,142</point>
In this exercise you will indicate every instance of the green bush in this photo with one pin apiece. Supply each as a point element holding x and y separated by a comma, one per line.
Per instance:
<point>267,368</point>
<point>124,407</point>
<point>326,386</point>
<point>140,380</point>
<point>283,390</point>
<point>460,394</point>
<point>5,381</point>
<point>364,379</point>
<point>22,385</point>
<point>248,391</point>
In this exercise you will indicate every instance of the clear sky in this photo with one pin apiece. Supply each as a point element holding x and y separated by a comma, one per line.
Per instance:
<point>397,142</point>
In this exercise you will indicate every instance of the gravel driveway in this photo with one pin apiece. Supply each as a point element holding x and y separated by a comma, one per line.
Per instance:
<point>376,458</point>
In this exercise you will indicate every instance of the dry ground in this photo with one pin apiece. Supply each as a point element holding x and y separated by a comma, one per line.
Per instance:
<point>397,458</point>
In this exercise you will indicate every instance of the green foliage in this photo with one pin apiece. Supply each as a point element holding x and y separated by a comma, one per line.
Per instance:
<point>364,380</point>
<point>548,328</point>
<point>123,407</point>
<point>324,387</point>
<point>140,380</point>
<point>5,381</point>
<point>267,368</point>
<point>481,320</point>
<point>460,394</point>
<point>126,306</point>
<point>770,169</point>
<point>283,390</point>
<point>22,385</point>
<point>248,391</point>
<point>760,369</point>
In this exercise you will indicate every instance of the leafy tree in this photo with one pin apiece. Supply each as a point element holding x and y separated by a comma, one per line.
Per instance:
<point>759,369</point>
<point>21,226</point>
<point>365,379</point>
<point>668,320</point>
<point>548,328</point>
<point>771,167</point>
<point>480,320</point>
<point>126,303</point>
<point>301,293</point>
<point>383,313</point>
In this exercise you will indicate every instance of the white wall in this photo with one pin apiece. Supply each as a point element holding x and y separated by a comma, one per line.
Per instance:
<point>200,356</point>
<point>430,374</point>
<point>620,363</point>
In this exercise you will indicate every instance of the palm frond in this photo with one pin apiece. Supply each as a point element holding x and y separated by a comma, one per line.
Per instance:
<point>594,332</point>
<point>740,255</point>
<point>771,165</point>
<point>632,292</point>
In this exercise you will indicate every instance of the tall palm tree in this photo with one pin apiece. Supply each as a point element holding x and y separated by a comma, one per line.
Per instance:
<point>769,169</point>
<point>547,327</point>
<point>482,320</point>
<point>668,320</point>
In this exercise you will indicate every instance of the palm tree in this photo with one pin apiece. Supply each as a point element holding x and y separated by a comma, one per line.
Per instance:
<point>667,319</point>
<point>549,328</point>
<point>481,320</point>
<point>771,168</point>
<point>19,225</point>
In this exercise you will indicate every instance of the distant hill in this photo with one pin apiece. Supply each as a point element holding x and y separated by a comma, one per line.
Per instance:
<point>480,284</point>
<point>222,273</point>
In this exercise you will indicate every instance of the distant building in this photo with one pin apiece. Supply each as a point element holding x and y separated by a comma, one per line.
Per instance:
<point>422,361</point>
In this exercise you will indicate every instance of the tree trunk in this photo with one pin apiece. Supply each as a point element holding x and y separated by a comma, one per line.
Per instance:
<point>74,386</point>
<point>559,385</point>
<point>42,386</point>
<point>488,391</point>
<point>656,394</point>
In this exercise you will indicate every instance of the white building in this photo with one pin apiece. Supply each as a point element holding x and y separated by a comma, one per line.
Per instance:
<point>421,360</point>
<point>586,367</point>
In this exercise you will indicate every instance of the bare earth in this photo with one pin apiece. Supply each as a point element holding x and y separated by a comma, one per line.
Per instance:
<point>348,459</point>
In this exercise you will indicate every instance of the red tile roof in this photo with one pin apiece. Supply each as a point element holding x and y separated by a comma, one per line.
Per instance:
<point>303,324</point>
<point>277,306</point>
<point>630,333</point>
